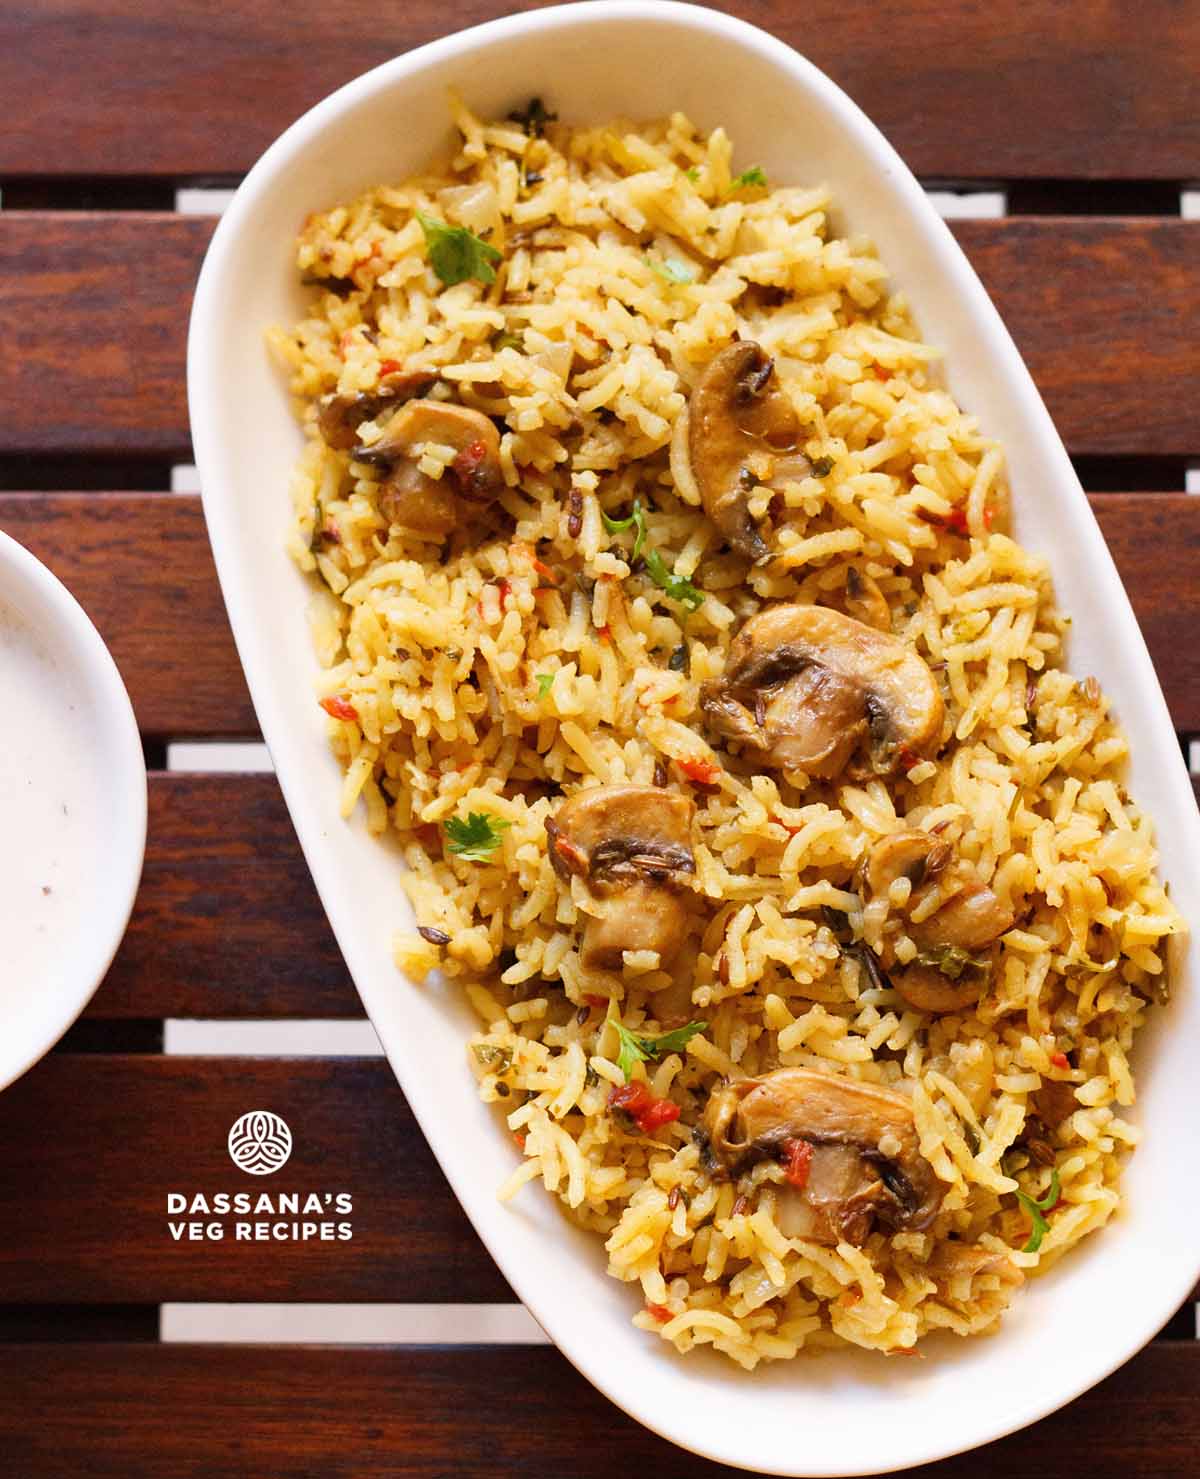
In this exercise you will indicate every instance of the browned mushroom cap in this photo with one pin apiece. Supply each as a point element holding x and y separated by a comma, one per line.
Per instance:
<point>945,977</point>
<point>806,684</point>
<point>631,844</point>
<point>966,1260</point>
<point>865,601</point>
<point>738,409</point>
<point>927,989</point>
<point>972,916</point>
<point>866,1163</point>
<point>340,416</point>
<point>912,854</point>
<point>433,507</point>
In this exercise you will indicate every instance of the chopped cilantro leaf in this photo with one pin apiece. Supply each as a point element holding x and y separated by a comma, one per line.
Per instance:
<point>822,467</point>
<point>456,254</point>
<point>755,175</point>
<point>638,1049</point>
<point>675,586</point>
<point>1037,1211</point>
<point>635,519</point>
<point>545,681</point>
<point>693,173</point>
<point>477,837</point>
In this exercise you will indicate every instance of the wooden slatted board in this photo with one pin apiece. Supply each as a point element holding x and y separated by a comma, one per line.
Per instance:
<point>1084,113</point>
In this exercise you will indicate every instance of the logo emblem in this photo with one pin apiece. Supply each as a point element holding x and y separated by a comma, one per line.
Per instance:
<point>260,1142</point>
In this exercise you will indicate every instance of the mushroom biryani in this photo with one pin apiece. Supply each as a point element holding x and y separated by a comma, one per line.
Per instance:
<point>669,620</point>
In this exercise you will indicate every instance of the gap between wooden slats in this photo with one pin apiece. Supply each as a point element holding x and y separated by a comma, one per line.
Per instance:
<point>1102,308</point>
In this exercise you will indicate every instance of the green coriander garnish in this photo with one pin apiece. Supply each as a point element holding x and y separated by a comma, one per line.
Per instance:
<point>477,837</point>
<point>755,175</point>
<point>508,341</point>
<point>545,681</point>
<point>1037,1212</point>
<point>822,467</point>
<point>456,254</point>
<point>693,173</point>
<point>675,586</point>
<point>638,1049</point>
<point>636,519</point>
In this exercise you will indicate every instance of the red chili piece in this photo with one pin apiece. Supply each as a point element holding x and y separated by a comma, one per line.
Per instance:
<point>797,1163</point>
<point>467,464</point>
<point>337,707</point>
<point>660,1312</point>
<point>703,772</point>
<point>647,1112</point>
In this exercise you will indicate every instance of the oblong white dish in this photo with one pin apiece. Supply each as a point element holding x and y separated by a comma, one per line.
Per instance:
<point>834,1415</point>
<point>72,809</point>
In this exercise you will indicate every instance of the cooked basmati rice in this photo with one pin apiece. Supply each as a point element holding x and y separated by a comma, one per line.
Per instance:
<point>525,662</point>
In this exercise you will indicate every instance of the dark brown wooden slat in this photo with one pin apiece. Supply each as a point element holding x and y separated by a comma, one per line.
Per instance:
<point>93,327</point>
<point>1155,541</point>
<point>240,1412</point>
<point>139,563</point>
<point>227,922</point>
<point>1104,313</point>
<point>189,89</point>
<point>84,1194</point>
<point>1102,310</point>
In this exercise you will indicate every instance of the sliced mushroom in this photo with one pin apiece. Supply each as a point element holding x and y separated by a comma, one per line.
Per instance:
<point>917,856</point>
<point>866,1164</point>
<point>340,416</point>
<point>927,989</point>
<point>865,601</point>
<point>805,685</point>
<point>946,976</point>
<point>966,1260</point>
<point>434,507</point>
<point>739,422</point>
<point>631,844</point>
<point>972,917</point>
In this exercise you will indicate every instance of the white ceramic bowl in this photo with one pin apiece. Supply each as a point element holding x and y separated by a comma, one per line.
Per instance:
<point>72,809</point>
<point>842,1414</point>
